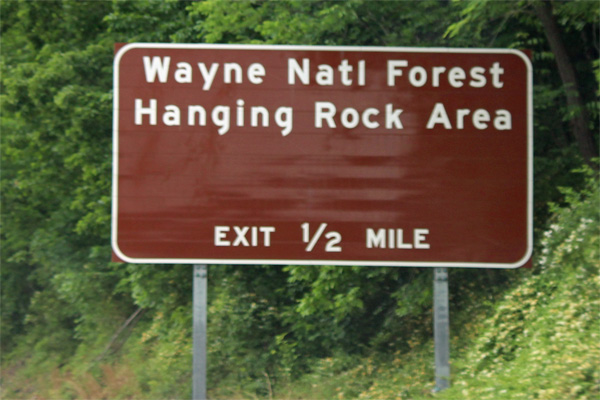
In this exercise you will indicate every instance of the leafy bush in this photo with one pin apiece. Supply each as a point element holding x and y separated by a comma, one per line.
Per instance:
<point>543,340</point>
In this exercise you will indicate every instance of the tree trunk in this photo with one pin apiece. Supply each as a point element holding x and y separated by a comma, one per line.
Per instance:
<point>579,116</point>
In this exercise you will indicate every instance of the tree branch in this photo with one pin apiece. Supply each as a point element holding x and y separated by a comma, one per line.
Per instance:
<point>132,320</point>
<point>579,118</point>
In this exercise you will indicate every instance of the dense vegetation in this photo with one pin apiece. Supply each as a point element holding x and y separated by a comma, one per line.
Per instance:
<point>75,325</point>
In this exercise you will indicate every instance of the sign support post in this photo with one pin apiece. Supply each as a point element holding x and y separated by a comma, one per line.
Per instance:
<point>199,332</point>
<point>441,328</point>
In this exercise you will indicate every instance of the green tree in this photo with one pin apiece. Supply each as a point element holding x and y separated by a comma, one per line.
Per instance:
<point>62,298</point>
<point>546,27</point>
<point>56,134</point>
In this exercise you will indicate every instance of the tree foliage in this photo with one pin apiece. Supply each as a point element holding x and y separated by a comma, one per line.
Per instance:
<point>62,298</point>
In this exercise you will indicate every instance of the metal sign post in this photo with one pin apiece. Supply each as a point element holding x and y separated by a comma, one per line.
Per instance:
<point>441,328</point>
<point>199,332</point>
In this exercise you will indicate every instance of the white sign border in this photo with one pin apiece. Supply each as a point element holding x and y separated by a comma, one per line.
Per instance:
<point>448,50</point>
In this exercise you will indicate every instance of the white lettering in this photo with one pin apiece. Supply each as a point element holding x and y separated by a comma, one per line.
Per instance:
<point>171,117</point>
<point>220,235</point>
<point>325,75</point>
<point>401,244</point>
<point>437,71</point>
<point>391,239</point>
<point>503,120</point>
<point>324,110</point>
<point>220,117</point>
<point>460,117</point>
<point>183,73</point>
<point>477,77</point>
<point>255,112</point>
<point>419,239</point>
<point>283,119</point>
<point>417,76</point>
<point>241,236</point>
<point>255,73</point>
<point>294,70</point>
<point>240,112</point>
<point>439,116</point>
<point>496,71</point>
<point>394,239</point>
<point>393,70</point>
<point>192,111</point>
<point>326,114</point>
<point>455,77</point>
<point>350,118</point>
<point>366,118</point>
<point>480,117</point>
<point>228,69</point>
<point>208,75</point>
<point>375,240</point>
<point>392,117</point>
<point>345,70</point>
<point>267,230</point>
<point>140,111</point>
<point>156,66</point>
<point>361,73</point>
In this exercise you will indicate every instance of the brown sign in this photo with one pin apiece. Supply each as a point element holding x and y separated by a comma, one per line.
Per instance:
<point>322,155</point>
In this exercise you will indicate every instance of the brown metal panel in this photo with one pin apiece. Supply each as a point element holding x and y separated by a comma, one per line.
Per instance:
<point>462,194</point>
